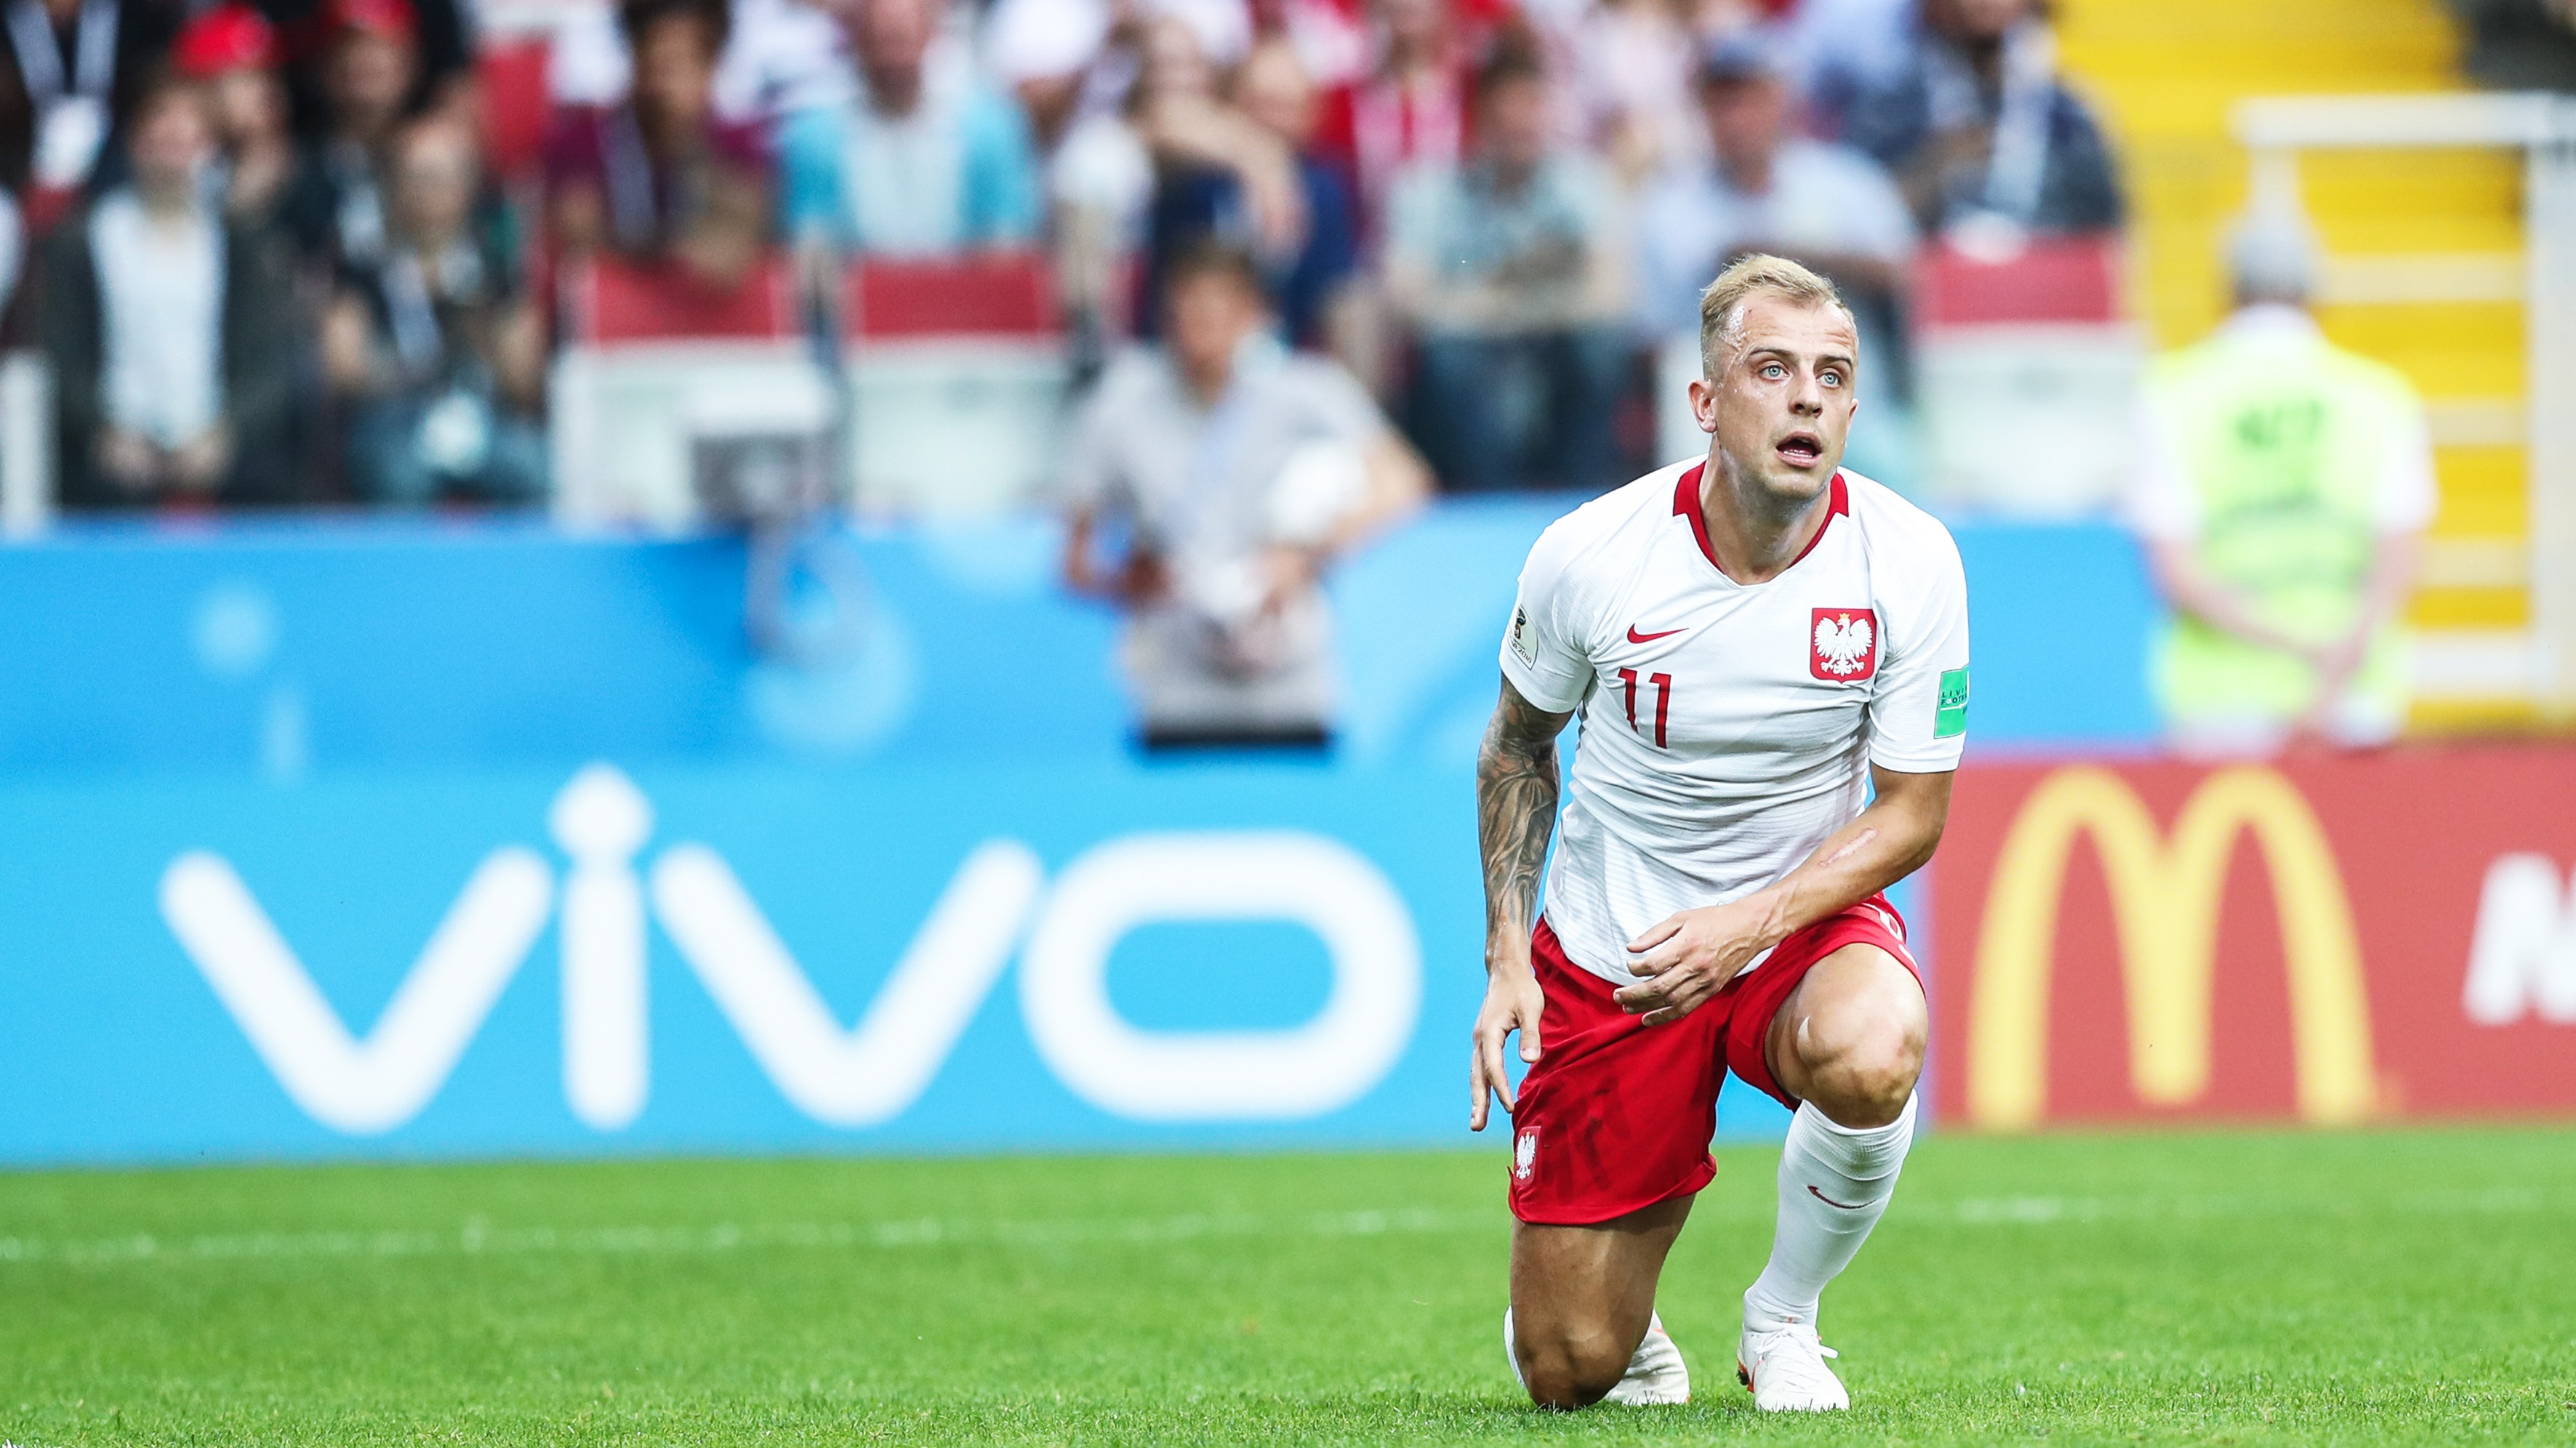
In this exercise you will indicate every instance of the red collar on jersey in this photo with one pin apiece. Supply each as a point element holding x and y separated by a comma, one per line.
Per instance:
<point>1686,504</point>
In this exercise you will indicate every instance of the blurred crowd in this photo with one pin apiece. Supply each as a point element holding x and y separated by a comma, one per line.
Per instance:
<point>273,257</point>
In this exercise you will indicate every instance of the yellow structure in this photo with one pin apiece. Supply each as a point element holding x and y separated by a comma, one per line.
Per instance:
<point>2166,75</point>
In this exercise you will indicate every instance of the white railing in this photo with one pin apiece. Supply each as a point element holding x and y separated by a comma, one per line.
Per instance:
<point>2543,129</point>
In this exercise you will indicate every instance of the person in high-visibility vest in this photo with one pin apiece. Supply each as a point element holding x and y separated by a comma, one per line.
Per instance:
<point>2282,488</point>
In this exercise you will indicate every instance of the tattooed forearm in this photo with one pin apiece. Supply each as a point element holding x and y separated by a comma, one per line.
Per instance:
<point>1516,787</point>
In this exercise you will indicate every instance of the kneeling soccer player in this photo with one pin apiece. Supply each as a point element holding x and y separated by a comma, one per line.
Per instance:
<point>1753,639</point>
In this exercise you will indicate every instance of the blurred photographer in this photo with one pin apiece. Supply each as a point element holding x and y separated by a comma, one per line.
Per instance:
<point>1212,480</point>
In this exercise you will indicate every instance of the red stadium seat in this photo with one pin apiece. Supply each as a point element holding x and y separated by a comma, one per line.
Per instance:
<point>2054,279</point>
<point>1009,295</point>
<point>617,301</point>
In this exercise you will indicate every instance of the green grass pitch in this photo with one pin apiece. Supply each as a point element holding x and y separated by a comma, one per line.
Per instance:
<point>2233,1287</point>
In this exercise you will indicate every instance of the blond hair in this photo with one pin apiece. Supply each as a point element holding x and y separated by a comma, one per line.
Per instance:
<point>1721,306</point>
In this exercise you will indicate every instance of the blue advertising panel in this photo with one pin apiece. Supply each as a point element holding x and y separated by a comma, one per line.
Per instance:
<point>451,841</point>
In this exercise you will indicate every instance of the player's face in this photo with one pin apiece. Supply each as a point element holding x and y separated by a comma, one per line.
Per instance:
<point>1781,406</point>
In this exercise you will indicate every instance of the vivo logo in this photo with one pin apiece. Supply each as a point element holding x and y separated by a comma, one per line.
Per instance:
<point>855,1076</point>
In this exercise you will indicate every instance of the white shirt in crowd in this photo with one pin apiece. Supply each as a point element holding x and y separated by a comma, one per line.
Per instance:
<point>1727,730</point>
<point>161,293</point>
<point>2164,506</point>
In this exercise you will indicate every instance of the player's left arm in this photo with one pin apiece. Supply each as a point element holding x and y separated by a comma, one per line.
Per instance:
<point>1688,957</point>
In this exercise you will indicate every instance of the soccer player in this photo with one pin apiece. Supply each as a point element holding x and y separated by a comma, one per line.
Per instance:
<point>1754,640</point>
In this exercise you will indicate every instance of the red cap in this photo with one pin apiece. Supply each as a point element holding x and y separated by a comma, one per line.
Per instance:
<point>389,18</point>
<point>228,37</point>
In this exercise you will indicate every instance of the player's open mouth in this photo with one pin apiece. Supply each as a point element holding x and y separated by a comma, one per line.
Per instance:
<point>1800,449</point>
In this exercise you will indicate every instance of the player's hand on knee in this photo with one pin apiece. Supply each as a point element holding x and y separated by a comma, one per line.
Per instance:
<point>1513,1002</point>
<point>1685,959</point>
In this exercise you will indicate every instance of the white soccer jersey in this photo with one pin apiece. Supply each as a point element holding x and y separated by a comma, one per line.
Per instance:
<point>1728,729</point>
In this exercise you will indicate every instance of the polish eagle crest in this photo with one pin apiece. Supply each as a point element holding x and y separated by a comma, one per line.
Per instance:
<point>1843,643</point>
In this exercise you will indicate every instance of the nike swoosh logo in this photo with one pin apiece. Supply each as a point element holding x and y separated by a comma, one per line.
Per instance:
<point>1635,637</point>
<point>1828,1201</point>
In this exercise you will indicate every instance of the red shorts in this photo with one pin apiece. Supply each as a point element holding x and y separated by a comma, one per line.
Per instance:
<point>1618,1115</point>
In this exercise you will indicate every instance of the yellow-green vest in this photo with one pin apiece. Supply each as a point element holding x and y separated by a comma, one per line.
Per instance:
<point>2283,440</point>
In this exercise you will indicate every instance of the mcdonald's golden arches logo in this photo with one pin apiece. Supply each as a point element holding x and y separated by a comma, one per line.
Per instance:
<point>2165,896</point>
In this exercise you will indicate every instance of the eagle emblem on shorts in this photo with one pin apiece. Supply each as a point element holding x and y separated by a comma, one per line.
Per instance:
<point>1525,1155</point>
<point>1843,644</point>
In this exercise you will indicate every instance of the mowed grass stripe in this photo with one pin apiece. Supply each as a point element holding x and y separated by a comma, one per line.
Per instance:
<point>2254,1286</point>
<point>479,1236</point>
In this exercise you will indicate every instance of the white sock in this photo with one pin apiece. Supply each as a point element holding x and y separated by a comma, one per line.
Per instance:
<point>1834,1185</point>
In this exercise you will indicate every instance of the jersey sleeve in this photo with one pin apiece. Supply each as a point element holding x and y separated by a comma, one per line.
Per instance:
<point>1918,715</point>
<point>2406,496</point>
<point>1088,477</point>
<point>1543,647</point>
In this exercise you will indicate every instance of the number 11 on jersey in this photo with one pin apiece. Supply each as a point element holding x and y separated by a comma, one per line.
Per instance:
<point>1663,700</point>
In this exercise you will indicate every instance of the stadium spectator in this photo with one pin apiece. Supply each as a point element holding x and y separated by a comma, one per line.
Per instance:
<point>661,175</point>
<point>1984,136</point>
<point>443,38</point>
<point>1243,172</point>
<point>71,72</point>
<point>172,335</point>
<point>434,349</point>
<point>1236,471</point>
<point>1074,60</point>
<point>1409,110</point>
<point>232,51</point>
<point>2282,487</point>
<point>1106,176</point>
<point>926,161</point>
<point>335,205</point>
<point>2521,44</point>
<point>1511,271</point>
<point>779,57</point>
<point>1765,189</point>
<point>1632,87</point>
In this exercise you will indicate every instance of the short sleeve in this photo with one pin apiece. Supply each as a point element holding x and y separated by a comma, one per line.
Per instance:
<point>1002,184</point>
<point>1340,405</point>
<point>1918,711</point>
<point>2160,503</point>
<point>809,169</point>
<point>1543,653</point>
<point>1090,474</point>
<point>2407,495</point>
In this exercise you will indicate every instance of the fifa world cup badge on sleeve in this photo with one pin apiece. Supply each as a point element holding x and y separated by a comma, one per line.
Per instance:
<point>1950,716</point>
<point>1522,643</point>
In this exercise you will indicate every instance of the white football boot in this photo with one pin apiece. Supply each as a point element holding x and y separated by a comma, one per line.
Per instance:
<point>1656,1373</point>
<point>1785,1369</point>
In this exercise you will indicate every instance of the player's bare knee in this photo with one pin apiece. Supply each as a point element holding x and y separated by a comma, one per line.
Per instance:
<point>1862,1077</point>
<point>1572,1369</point>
